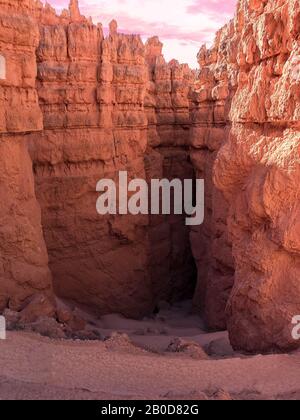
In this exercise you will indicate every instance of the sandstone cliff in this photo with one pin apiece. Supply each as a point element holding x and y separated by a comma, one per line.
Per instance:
<point>254,67</point>
<point>88,106</point>
<point>94,93</point>
<point>23,256</point>
<point>259,172</point>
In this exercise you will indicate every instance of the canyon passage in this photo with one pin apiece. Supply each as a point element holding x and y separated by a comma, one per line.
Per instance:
<point>77,106</point>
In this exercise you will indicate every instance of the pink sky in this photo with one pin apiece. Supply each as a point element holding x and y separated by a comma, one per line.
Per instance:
<point>182,25</point>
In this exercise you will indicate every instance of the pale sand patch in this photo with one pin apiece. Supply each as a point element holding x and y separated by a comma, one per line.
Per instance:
<point>76,369</point>
<point>134,364</point>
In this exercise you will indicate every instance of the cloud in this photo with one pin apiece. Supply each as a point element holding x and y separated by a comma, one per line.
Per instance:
<point>129,24</point>
<point>182,25</point>
<point>212,7</point>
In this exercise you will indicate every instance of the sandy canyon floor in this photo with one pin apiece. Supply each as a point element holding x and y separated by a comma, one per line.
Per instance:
<point>157,358</point>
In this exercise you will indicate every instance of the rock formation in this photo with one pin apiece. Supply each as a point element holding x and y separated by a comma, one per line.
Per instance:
<point>93,95</point>
<point>259,172</point>
<point>86,106</point>
<point>23,256</point>
<point>253,66</point>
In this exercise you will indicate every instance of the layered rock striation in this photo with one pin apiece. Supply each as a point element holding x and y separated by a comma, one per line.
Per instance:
<point>78,106</point>
<point>259,171</point>
<point>23,256</point>
<point>254,67</point>
<point>94,92</point>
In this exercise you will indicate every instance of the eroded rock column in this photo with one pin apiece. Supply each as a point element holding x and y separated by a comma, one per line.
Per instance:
<point>254,67</point>
<point>91,93</point>
<point>23,256</point>
<point>258,170</point>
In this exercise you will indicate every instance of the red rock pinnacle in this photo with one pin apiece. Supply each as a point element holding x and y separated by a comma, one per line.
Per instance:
<point>74,10</point>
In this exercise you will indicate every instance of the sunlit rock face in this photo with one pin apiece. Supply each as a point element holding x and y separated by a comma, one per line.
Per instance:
<point>255,66</point>
<point>23,256</point>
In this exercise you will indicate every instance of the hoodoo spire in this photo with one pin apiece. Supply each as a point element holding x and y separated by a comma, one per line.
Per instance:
<point>74,10</point>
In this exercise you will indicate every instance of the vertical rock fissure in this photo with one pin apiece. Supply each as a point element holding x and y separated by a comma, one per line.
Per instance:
<point>211,101</point>
<point>167,107</point>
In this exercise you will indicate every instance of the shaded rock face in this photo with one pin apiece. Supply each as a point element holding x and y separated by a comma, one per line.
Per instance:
<point>254,66</point>
<point>167,108</point>
<point>23,256</point>
<point>211,100</point>
<point>94,93</point>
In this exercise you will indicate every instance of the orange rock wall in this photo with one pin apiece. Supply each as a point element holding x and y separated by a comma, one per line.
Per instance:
<point>255,67</point>
<point>90,106</point>
<point>261,177</point>
<point>23,256</point>
<point>93,92</point>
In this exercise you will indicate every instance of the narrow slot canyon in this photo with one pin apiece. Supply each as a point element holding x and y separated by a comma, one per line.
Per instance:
<point>78,106</point>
